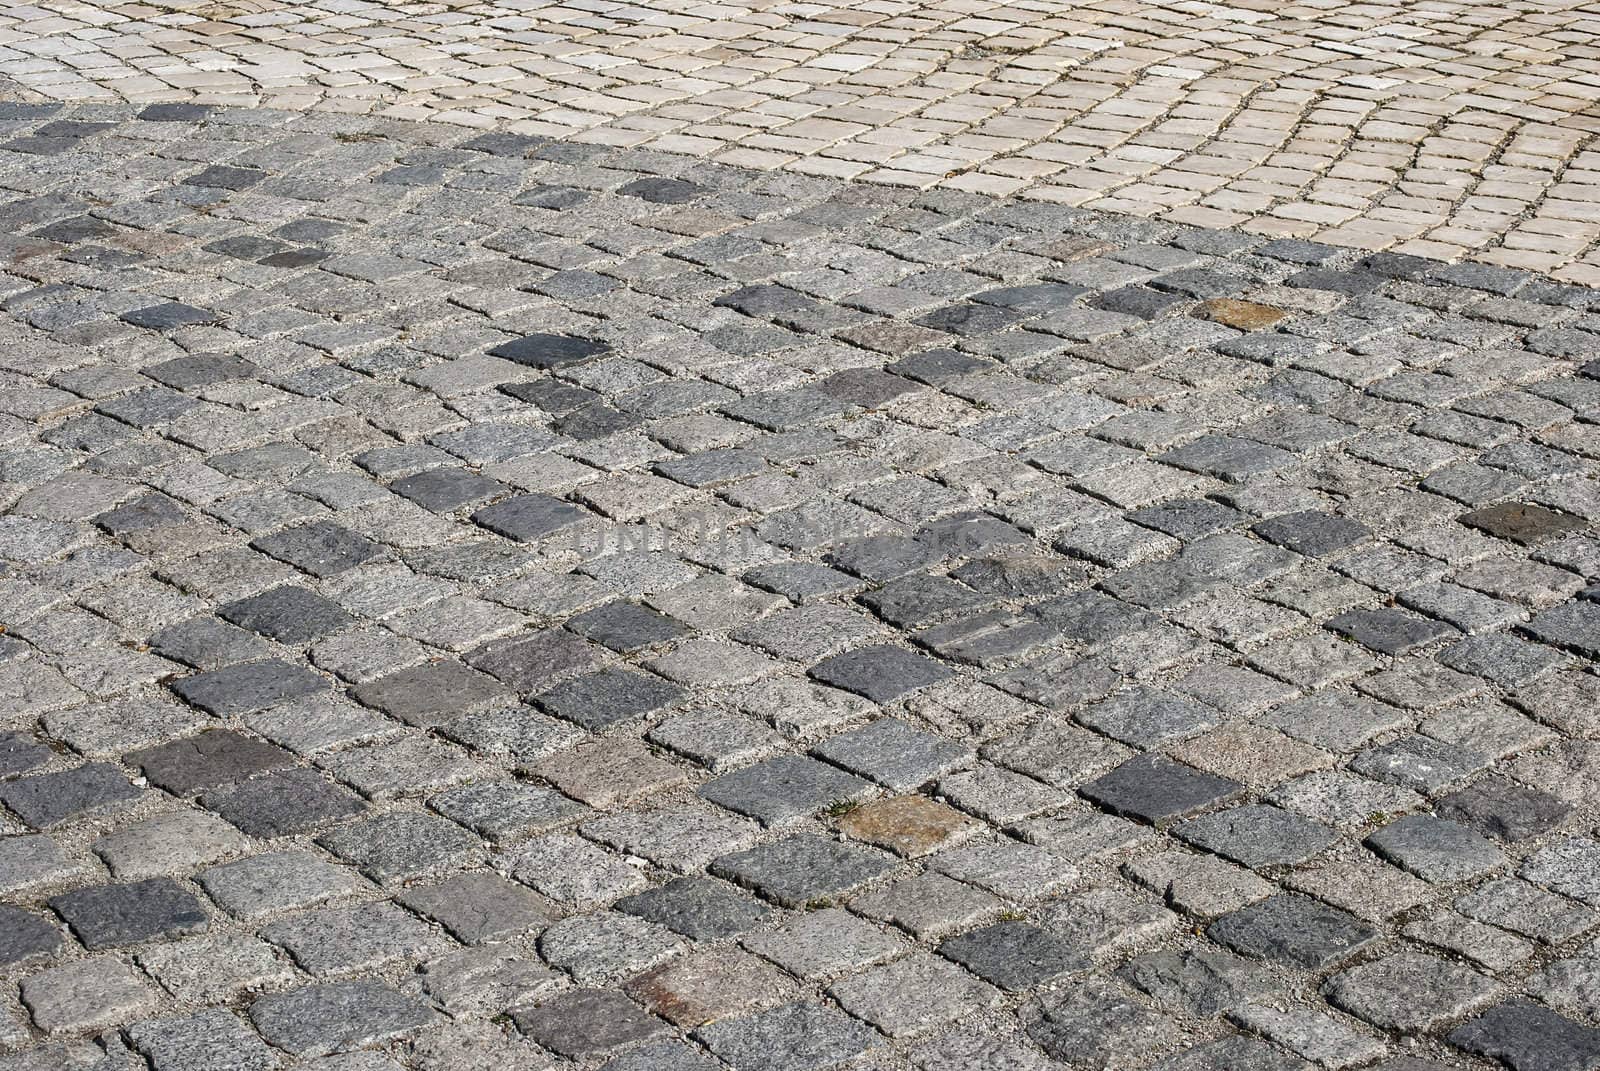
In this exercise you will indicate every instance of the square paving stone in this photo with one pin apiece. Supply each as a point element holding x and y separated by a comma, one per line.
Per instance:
<point>288,614</point>
<point>172,844</point>
<point>698,908</point>
<point>1526,1037</point>
<point>505,811</point>
<point>1235,1054</point>
<point>213,1038</point>
<point>549,351</point>
<point>1257,835</point>
<point>1436,849</point>
<point>1145,717</point>
<point>1419,763</point>
<point>399,846</point>
<point>1098,1024</point>
<point>480,906</point>
<point>1014,955</point>
<point>1574,627</point>
<point>277,881</point>
<point>1312,533</point>
<point>207,760</point>
<point>1158,790</point>
<point>821,944</point>
<point>25,936</point>
<point>1522,522</point>
<point>626,626</point>
<point>248,688</point>
<point>532,661</point>
<point>928,905</point>
<point>784,789</point>
<point>84,995</point>
<point>881,673</point>
<point>910,826</point>
<point>445,489</point>
<point>1202,981</point>
<point>110,916</point>
<point>605,771</point>
<point>529,518</point>
<point>212,968</point>
<point>702,987</point>
<point>45,800</point>
<point>30,860</point>
<point>433,693</point>
<point>1293,930</point>
<point>794,1037</point>
<point>207,643</point>
<point>320,548</point>
<point>279,804</point>
<point>894,754</point>
<point>799,869</point>
<point>169,316</point>
<point>337,1017</point>
<point>361,937</point>
<point>599,701</point>
<point>1390,632</point>
<point>913,995</point>
<point>1410,992</point>
<point>1503,809</point>
<point>587,1022</point>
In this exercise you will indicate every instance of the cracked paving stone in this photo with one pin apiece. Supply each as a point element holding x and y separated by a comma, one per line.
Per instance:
<point>207,760</point>
<point>1293,930</point>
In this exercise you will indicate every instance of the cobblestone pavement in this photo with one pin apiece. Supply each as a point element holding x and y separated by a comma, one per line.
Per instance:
<point>1445,129</point>
<point>476,601</point>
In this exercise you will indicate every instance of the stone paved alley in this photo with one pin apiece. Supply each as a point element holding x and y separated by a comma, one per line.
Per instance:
<point>494,580</point>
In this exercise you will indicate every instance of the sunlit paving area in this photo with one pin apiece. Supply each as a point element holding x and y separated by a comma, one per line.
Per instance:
<point>758,536</point>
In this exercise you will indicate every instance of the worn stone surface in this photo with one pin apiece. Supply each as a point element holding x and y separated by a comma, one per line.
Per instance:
<point>462,565</point>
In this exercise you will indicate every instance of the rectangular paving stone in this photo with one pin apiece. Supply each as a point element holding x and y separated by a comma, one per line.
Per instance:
<point>801,868</point>
<point>111,916</point>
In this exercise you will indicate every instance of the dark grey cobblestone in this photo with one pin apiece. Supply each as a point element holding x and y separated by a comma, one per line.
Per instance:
<point>473,600</point>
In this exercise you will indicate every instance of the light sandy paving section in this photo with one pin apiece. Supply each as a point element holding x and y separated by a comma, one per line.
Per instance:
<point>1438,128</point>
